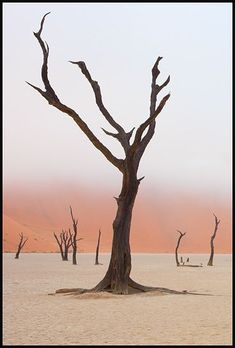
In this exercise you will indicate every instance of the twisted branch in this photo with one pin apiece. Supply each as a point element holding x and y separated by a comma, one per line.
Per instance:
<point>51,97</point>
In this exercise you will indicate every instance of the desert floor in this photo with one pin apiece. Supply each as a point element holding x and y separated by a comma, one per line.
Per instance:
<point>32,317</point>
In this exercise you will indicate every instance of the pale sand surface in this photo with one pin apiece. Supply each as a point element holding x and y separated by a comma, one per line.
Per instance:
<point>31,317</point>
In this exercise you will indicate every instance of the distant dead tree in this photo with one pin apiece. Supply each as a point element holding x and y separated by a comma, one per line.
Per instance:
<point>210,262</point>
<point>60,243</point>
<point>67,242</point>
<point>20,245</point>
<point>64,241</point>
<point>73,236</point>
<point>177,246</point>
<point>97,250</point>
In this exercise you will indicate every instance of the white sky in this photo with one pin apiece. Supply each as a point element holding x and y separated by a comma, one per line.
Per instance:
<point>119,42</point>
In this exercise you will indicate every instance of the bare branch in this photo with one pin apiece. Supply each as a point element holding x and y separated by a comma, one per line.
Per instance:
<point>181,233</point>
<point>96,88</point>
<point>121,136</point>
<point>114,135</point>
<point>42,22</point>
<point>151,118</point>
<point>217,221</point>
<point>52,99</point>
<point>155,70</point>
<point>129,134</point>
<point>24,242</point>
<point>155,89</point>
<point>139,180</point>
<point>155,73</point>
<point>44,71</point>
<point>159,88</point>
<point>57,239</point>
<point>71,212</point>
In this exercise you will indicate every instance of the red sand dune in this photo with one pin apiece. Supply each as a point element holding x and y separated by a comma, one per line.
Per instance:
<point>38,212</point>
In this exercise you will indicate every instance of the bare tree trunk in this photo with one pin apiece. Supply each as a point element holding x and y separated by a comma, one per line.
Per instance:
<point>177,247</point>
<point>67,242</point>
<point>74,237</point>
<point>97,250</point>
<point>117,276</point>
<point>20,245</point>
<point>75,254</point>
<point>210,262</point>
<point>66,255</point>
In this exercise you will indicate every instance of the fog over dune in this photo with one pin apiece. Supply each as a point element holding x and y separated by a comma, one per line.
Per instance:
<point>38,212</point>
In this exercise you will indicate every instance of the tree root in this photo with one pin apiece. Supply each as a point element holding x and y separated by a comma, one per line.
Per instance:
<point>133,288</point>
<point>190,266</point>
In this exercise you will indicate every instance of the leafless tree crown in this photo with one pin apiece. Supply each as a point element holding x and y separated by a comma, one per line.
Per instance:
<point>140,142</point>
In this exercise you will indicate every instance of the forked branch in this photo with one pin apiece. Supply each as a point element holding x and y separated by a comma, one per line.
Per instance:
<point>139,144</point>
<point>149,120</point>
<point>121,136</point>
<point>51,97</point>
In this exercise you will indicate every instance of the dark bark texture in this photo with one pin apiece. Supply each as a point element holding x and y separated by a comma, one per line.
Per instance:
<point>210,262</point>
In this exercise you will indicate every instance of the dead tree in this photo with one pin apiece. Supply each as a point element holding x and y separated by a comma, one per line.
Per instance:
<point>60,243</point>
<point>64,243</point>
<point>20,245</point>
<point>74,239</point>
<point>117,278</point>
<point>210,262</point>
<point>177,247</point>
<point>67,242</point>
<point>97,250</point>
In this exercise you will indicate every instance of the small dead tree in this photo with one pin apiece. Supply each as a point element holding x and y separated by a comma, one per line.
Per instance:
<point>177,247</point>
<point>97,250</point>
<point>67,242</point>
<point>210,262</point>
<point>60,243</point>
<point>74,239</point>
<point>20,245</point>
<point>64,242</point>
